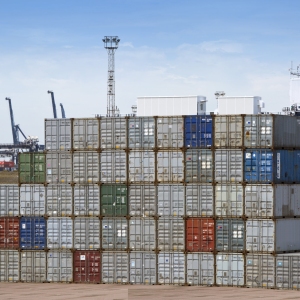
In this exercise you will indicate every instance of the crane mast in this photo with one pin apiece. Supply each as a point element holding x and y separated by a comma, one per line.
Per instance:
<point>63,114</point>
<point>13,126</point>
<point>53,104</point>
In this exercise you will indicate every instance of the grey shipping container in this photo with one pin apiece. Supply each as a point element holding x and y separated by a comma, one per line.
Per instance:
<point>200,269</point>
<point>86,200</point>
<point>60,266</point>
<point>9,200</point>
<point>33,266</point>
<point>9,265</point>
<point>86,134</point>
<point>32,200</point>
<point>58,134</point>
<point>115,267</point>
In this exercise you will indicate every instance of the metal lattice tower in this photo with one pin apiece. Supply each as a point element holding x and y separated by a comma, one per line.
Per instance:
<point>111,45</point>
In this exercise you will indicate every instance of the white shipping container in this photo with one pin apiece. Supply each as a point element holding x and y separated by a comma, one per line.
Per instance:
<point>86,200</point>
<point>9,265</point>
<point>169,132</point>
<point>33,266</point>
<point>9,200</point>
<point>32,200</point>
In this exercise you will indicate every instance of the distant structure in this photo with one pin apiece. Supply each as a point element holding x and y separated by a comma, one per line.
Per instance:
<point>111,45</point>
<point>294,86</point>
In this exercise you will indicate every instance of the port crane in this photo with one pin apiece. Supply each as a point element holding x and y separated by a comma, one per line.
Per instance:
<point>63,114</point>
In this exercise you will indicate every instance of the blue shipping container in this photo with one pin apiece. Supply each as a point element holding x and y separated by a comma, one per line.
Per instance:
<point>266,166</point>
<point>198,131</point>
<point>32,233</point>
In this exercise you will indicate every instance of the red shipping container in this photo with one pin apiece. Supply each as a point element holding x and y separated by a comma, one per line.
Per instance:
<point>200,234</point>
<point>2,164</point>
<point>9,164</point>
<point>9,233</point>
<point>87,266</point>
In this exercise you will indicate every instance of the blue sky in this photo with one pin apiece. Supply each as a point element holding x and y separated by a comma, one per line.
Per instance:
<point>167,48</point>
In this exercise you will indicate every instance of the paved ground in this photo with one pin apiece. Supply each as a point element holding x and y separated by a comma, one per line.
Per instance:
<point>34,291</point>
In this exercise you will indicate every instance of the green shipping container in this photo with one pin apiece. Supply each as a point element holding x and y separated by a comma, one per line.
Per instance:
<point>114,200</point>
<point>32,167</point>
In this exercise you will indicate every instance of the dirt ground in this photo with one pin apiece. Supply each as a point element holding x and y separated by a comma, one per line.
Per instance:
<point>8,177</point>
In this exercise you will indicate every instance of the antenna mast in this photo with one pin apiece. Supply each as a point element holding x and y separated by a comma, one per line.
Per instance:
<point>111,45</point>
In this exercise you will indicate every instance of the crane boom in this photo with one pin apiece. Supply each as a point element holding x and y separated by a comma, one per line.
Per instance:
<point>53,104</point>
<point>13,127</point>
<point>63,114</point>
<point>19,129</point>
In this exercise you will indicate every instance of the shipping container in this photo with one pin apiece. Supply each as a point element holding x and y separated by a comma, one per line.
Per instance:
<point>143,268</point>
<point>113,166</point>
<point>200,234</point>
<point>169,132</point>
<point>33,266</point>
<point>58,134</point>
<point>141,133</point>
<point>142,234</point>
<point>86,167</point>
<point>87,266</point>
<point>86,134</point>
<point>59,167</point>
<point>171,268</point>
<point>260,270</point>
<point>268,201</point>
<point>170,234</point>
<point>170,166</point>
<point>115,267</point>
<point>86,200</point>
<point>60,266</point>
<point>141,166</point>
<point>142,200</point>
<point>230,235</point>
<point>270,236</point>
<point>198,131</point>
<point>9,265</point>
<point>170,200</point>
<point>9,232</point>
<point>32,200</point>
<point>229,200</point>
<point>230,269</point>
<point>114,233</point>
<point>60,233</point>
<point>199,165</point>
<point>271,131</point>
<point>114,200</point>
<point>113,133</point>
<point>86,233</point>
<point>228,165</point>
<point>33,233</point>
<point>59,199</point>
<point>32,168</point>
<point>200,269</point>
<point>9,200</point>
<point>199,200</point>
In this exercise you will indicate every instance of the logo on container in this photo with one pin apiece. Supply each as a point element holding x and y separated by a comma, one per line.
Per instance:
<point>278,166</point>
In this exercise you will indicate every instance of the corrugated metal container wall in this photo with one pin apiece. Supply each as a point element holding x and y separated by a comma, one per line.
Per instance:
<point>86,200</point>
<point>141,133</point>
<point>86,134</point>
<point>87,266</point>
<point>9,232</point>
<point>143,268</point>
<point>270,236</point>
<point>171,268</point>
<point>9,265</point>
<point>115,267</point>
<point>32,200</point>
<point>228,131</point>
<point>32,233</point>
<point>58,134</point>
<point>199,200</point>
<point>142,200</point>
<point>59,199</point>
<point>60,266</point>
<point>9,200</point>
<point>59,167</point>
<point>199,166</point>
<point>229,200</point>
<point>113,133</point>
<point>86,167</point>
<point>228,165</point>
<point>260,270</point>
<point>229,269</point>
<point>170,132</point>
<point>230,235</point>
<point>60,233</point>
<point>200,269</point>
<point>198,131</point>
<point>113,166</point>
<point>33,266</point>
<point>200,234</point>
